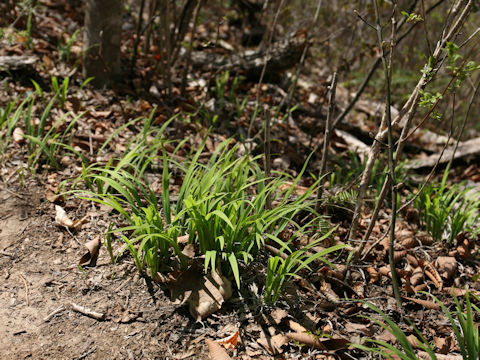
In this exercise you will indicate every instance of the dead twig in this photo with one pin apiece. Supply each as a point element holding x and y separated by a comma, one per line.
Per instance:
<point>88,312</point>
<point>268,159</point>
<point>326,141</point>
<point>387,65</point>
<point>26,289</point>
<point>5,253</point>
<point>53,313</point>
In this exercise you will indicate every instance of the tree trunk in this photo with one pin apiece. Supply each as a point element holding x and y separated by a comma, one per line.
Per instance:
<point>103,25</point>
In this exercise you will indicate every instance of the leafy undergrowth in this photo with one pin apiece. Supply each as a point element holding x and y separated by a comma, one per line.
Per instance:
<point>174,190</point>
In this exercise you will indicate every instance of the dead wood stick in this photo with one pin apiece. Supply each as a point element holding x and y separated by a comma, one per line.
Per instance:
<point>95,137</point>
<point>326,140</point>
<point>268,159</point>
<point>53,313</point>
<point>424,356</point>
<point>26,289</point>
<point>85,311</point>
<point>275,251</point>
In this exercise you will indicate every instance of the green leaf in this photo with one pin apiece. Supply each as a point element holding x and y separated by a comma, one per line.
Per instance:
<point>234,266</point>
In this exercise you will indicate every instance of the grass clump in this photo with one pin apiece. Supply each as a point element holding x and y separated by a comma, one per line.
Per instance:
<point>221,206</point>
<point>446,211</point>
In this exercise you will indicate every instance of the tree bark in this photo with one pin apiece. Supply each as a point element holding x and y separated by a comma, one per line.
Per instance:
<point>103,25</point>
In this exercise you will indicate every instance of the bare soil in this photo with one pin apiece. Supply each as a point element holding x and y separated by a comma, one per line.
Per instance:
<point>39,276</point>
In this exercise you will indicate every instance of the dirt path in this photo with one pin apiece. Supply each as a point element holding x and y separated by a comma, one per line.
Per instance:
<point>39,276</point>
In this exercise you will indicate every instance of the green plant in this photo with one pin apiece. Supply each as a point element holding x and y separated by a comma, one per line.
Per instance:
<point>281,268</point>
<point>28,7</point>
<point>467,333</point>
<point>447,209</point>
<point>414,18</point>
<point>465,330</point>
<point>220,205</point>
<point>428,100</point>
<point>48,143</point>
<point>460,72</point>
<point>60,91</point>
<point>220,83</point>
<point>8,121</point>
<point>346,171</point>
<point>121,184</point>
<point>388,351</point>
<point>128,194</point>
<point>64,47</point>
<point>230,100</point>
<point>225,205</point>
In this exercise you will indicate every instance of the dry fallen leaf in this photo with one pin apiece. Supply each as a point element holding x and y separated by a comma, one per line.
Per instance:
<point>189,251</point>
<point>327,290</point>
<point>374,275</point>
<point>62,219</point>
<point>425,238</point>
<point>433,274</point>
<point>358,328</point>
<point>447,266</point>
<point>120,314</point>
<point>205,294</point>
<point>296,326</point>
<point>182,239</point>
<point>417,276</point>
<point>422,355</point>
<point>386,336</point>
<point>465,249</point>
<point>18,135</point>
<point>209,298</point>
<point>229,342</point>
<point>412,260</point>
<point>413,340</point>
<point>399,255</point>
<point>51,194</point>
<point>90,257</point>
<point>278,315</point>
<point>421,287</point>
<point>215,351</point>
<point>444,344</point>
<point>306,339</point>
<point>425,303</point>
<point>272,344</point>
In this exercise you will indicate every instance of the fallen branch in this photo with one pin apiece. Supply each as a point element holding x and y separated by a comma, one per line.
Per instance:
<point>15,62</point>
<point>88,312</point>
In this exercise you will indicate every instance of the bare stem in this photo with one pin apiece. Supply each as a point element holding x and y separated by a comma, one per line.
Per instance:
<point>391,163</point>
<point>326,141</point>
<point>268,163</point>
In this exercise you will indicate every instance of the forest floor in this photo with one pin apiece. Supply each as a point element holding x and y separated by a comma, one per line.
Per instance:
<point>123,315</point>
